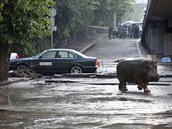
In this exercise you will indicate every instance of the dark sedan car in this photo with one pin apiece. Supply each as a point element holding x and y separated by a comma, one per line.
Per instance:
<point>56,61</point>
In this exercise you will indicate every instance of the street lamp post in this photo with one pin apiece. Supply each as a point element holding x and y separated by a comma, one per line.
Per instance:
<point>53,27</point>
<point>114,20</point>
<point>52,39</point>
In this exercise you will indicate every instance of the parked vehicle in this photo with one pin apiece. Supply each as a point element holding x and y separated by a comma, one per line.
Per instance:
<point>14,56</point>
<point>56,61</point>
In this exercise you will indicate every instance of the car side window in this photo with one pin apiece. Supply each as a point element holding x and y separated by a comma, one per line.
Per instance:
<point>49,55</point>
<point>71,55</point>
<point>65,54</point>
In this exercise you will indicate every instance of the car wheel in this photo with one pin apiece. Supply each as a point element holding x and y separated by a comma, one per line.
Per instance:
<point>21,70</point>
<point>76,69</point>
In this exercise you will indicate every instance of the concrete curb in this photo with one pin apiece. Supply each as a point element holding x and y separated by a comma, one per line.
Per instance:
<point>141,50</point>
<point>87,47</point>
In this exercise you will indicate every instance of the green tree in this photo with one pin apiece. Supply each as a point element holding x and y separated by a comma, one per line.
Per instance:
<point>104,13</point>
<point>137,14</point>
<point>72,15</point>
<point>21,21</point>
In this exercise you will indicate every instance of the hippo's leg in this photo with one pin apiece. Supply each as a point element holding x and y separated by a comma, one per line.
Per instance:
<point>122,86</point>
<point>146,90</point>
<point>140,85</point>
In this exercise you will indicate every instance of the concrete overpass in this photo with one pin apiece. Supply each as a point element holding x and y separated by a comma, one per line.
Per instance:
<point>157,27</point>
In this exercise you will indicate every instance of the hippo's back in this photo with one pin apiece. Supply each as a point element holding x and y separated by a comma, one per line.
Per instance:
<point>128,70</point>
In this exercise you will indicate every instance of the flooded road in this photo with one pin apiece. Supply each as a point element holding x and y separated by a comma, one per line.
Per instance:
<point>90,101</point>
<point>85,103</point>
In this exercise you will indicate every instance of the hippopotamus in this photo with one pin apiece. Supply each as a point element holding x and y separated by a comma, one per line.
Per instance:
<point>139,71</point>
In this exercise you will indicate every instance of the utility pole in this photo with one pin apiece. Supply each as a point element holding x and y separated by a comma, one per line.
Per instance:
<point>53,27</point>
<point>114,20</point>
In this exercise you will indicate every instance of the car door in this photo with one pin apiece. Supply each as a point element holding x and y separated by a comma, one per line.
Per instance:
<point>45,62</point>
<point>63,61</point>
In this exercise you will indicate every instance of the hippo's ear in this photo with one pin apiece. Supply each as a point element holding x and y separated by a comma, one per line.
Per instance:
<point>145,63</point>
<point>150,64</point>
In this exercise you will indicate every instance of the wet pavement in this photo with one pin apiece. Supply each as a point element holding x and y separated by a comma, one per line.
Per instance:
<point>87,101</point>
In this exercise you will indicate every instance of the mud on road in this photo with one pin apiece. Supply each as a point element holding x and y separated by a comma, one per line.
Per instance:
<point>90,102</point>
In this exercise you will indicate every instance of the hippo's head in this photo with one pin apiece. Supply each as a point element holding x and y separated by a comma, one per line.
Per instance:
<point>151,71</point>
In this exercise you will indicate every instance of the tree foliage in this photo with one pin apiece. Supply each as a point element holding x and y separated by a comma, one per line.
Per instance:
<point>21,21</point>
<point>74,14</point>
<point>137,14</point>
<point>105,10</point>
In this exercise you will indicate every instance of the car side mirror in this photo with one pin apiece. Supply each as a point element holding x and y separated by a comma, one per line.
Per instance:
<point>40,57</point>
